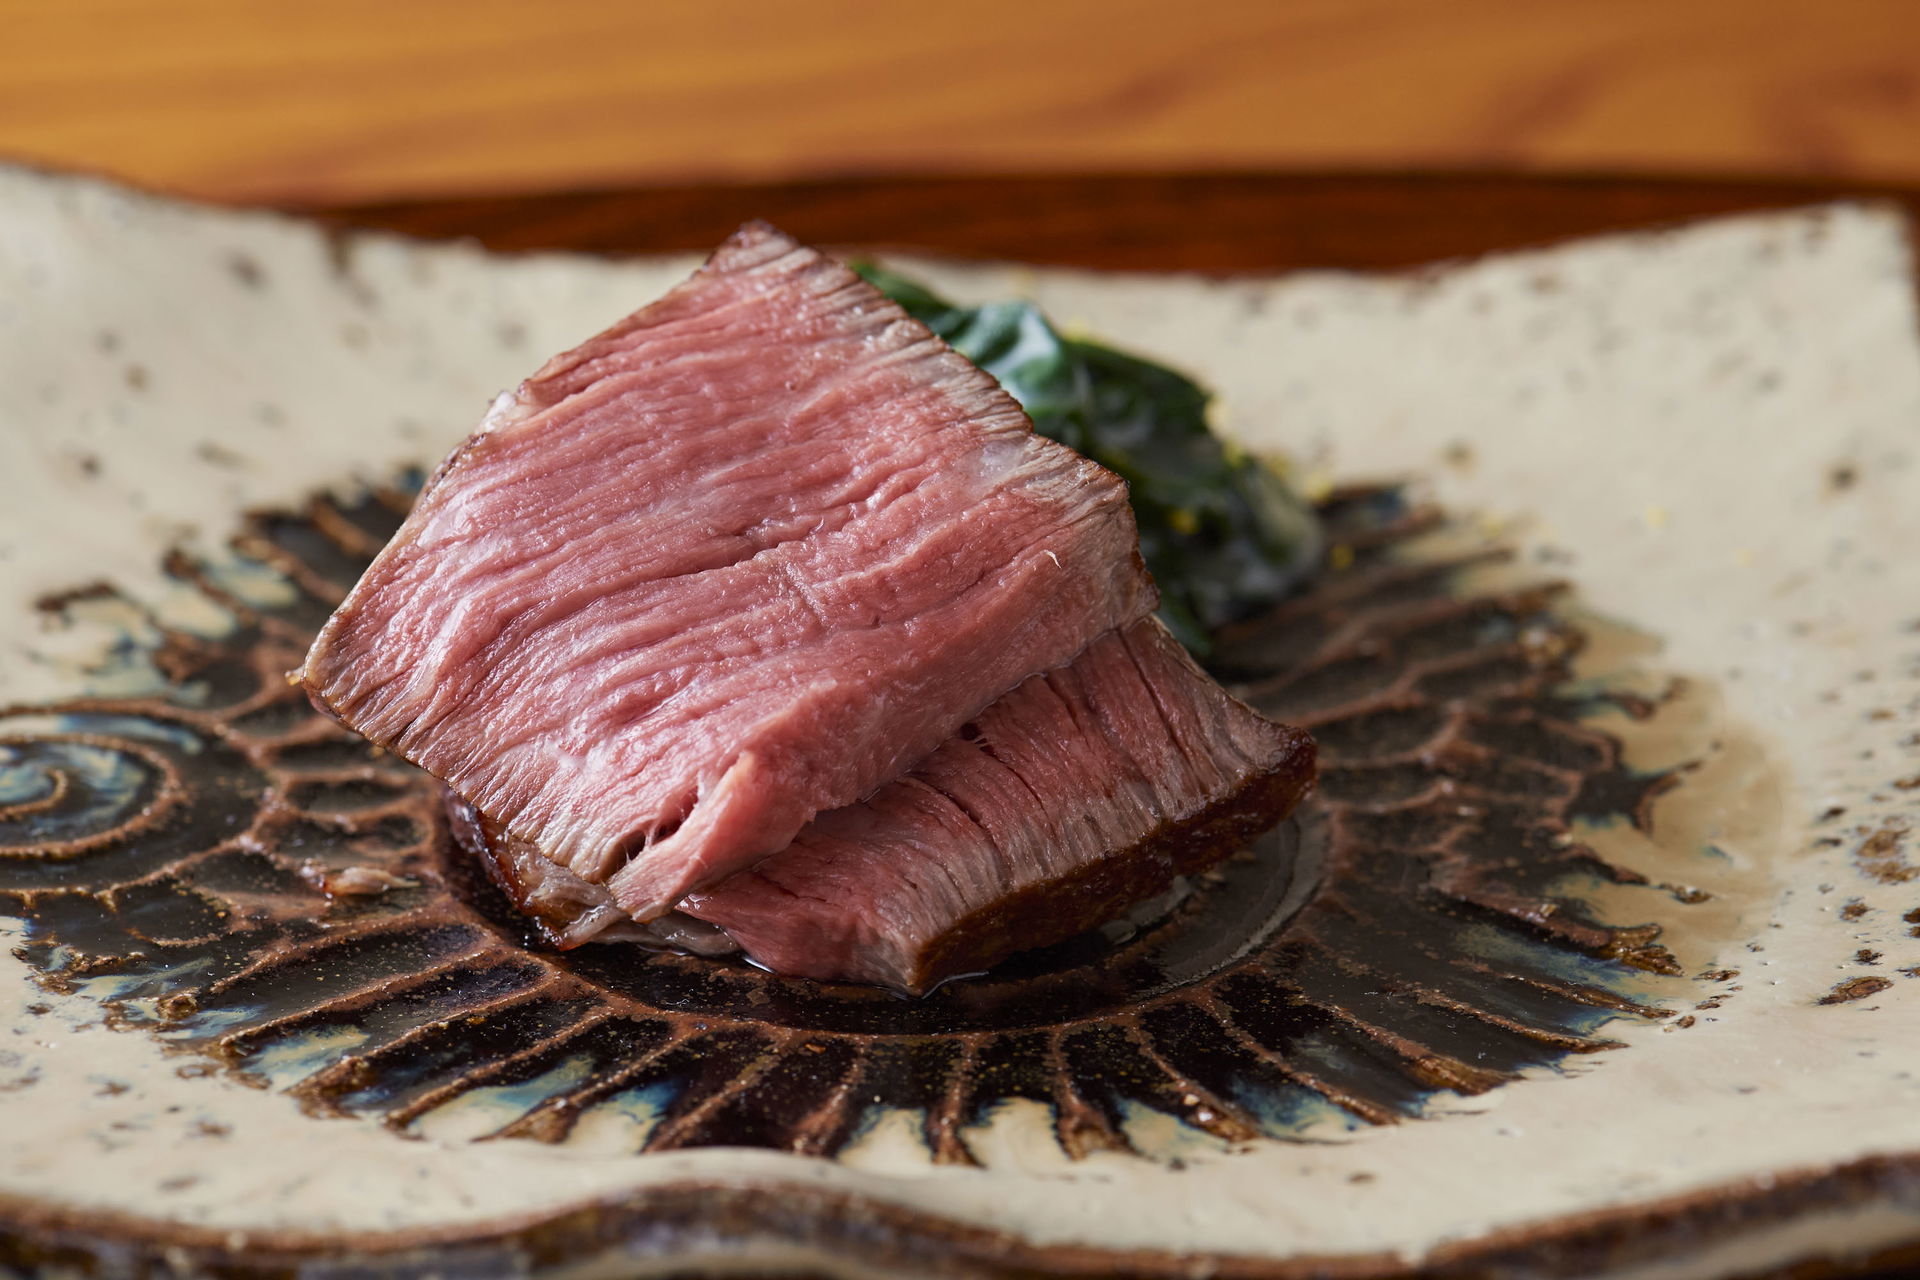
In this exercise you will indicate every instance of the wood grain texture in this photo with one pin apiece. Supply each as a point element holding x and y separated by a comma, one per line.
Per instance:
<point>360,100</point>
<point>1198,222</point>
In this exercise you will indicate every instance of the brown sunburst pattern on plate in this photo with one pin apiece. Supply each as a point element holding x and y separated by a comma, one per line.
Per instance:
<point>241,877</point>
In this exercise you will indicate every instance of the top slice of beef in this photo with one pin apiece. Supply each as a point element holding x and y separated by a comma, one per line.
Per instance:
<point>744,557</point>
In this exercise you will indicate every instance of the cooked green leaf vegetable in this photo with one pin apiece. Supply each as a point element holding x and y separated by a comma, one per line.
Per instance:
<point>1223,532</point>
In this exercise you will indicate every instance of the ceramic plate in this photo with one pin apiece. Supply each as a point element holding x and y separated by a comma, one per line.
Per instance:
<point>1593,954</point>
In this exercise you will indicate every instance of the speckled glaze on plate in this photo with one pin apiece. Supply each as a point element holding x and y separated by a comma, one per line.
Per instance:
<point>1614,681</point>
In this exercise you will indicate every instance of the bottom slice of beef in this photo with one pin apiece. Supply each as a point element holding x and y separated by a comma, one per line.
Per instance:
<point>1085,790</point>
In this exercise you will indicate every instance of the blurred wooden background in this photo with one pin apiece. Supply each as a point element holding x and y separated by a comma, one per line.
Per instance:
<point>367,100</point>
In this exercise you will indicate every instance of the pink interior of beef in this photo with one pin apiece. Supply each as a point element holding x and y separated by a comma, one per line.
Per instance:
<point>742,558</point>
<point>1104,765</point>
<point>1079,764</point>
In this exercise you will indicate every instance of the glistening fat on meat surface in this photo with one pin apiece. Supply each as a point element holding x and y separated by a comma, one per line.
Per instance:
<point>742,558</point>
<point>1083,791</point>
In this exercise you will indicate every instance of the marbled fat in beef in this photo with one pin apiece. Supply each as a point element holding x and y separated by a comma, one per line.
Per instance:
<point>744,557</point>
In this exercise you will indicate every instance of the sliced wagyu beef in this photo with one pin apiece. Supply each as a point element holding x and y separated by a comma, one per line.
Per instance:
<point>745,557</point>
<point>1082,792</point>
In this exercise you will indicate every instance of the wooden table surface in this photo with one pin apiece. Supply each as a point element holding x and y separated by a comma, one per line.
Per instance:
<point>351,101</point>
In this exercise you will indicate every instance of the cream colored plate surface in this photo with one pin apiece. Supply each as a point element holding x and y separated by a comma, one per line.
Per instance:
<point>1710,431</point>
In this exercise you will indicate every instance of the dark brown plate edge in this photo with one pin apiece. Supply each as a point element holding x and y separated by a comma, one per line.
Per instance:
<point>1212,223</point>
<point>684,1221</point>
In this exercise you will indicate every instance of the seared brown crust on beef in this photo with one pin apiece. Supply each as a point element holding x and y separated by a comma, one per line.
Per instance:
<point>565,909</point>
<point>1055,910</point>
